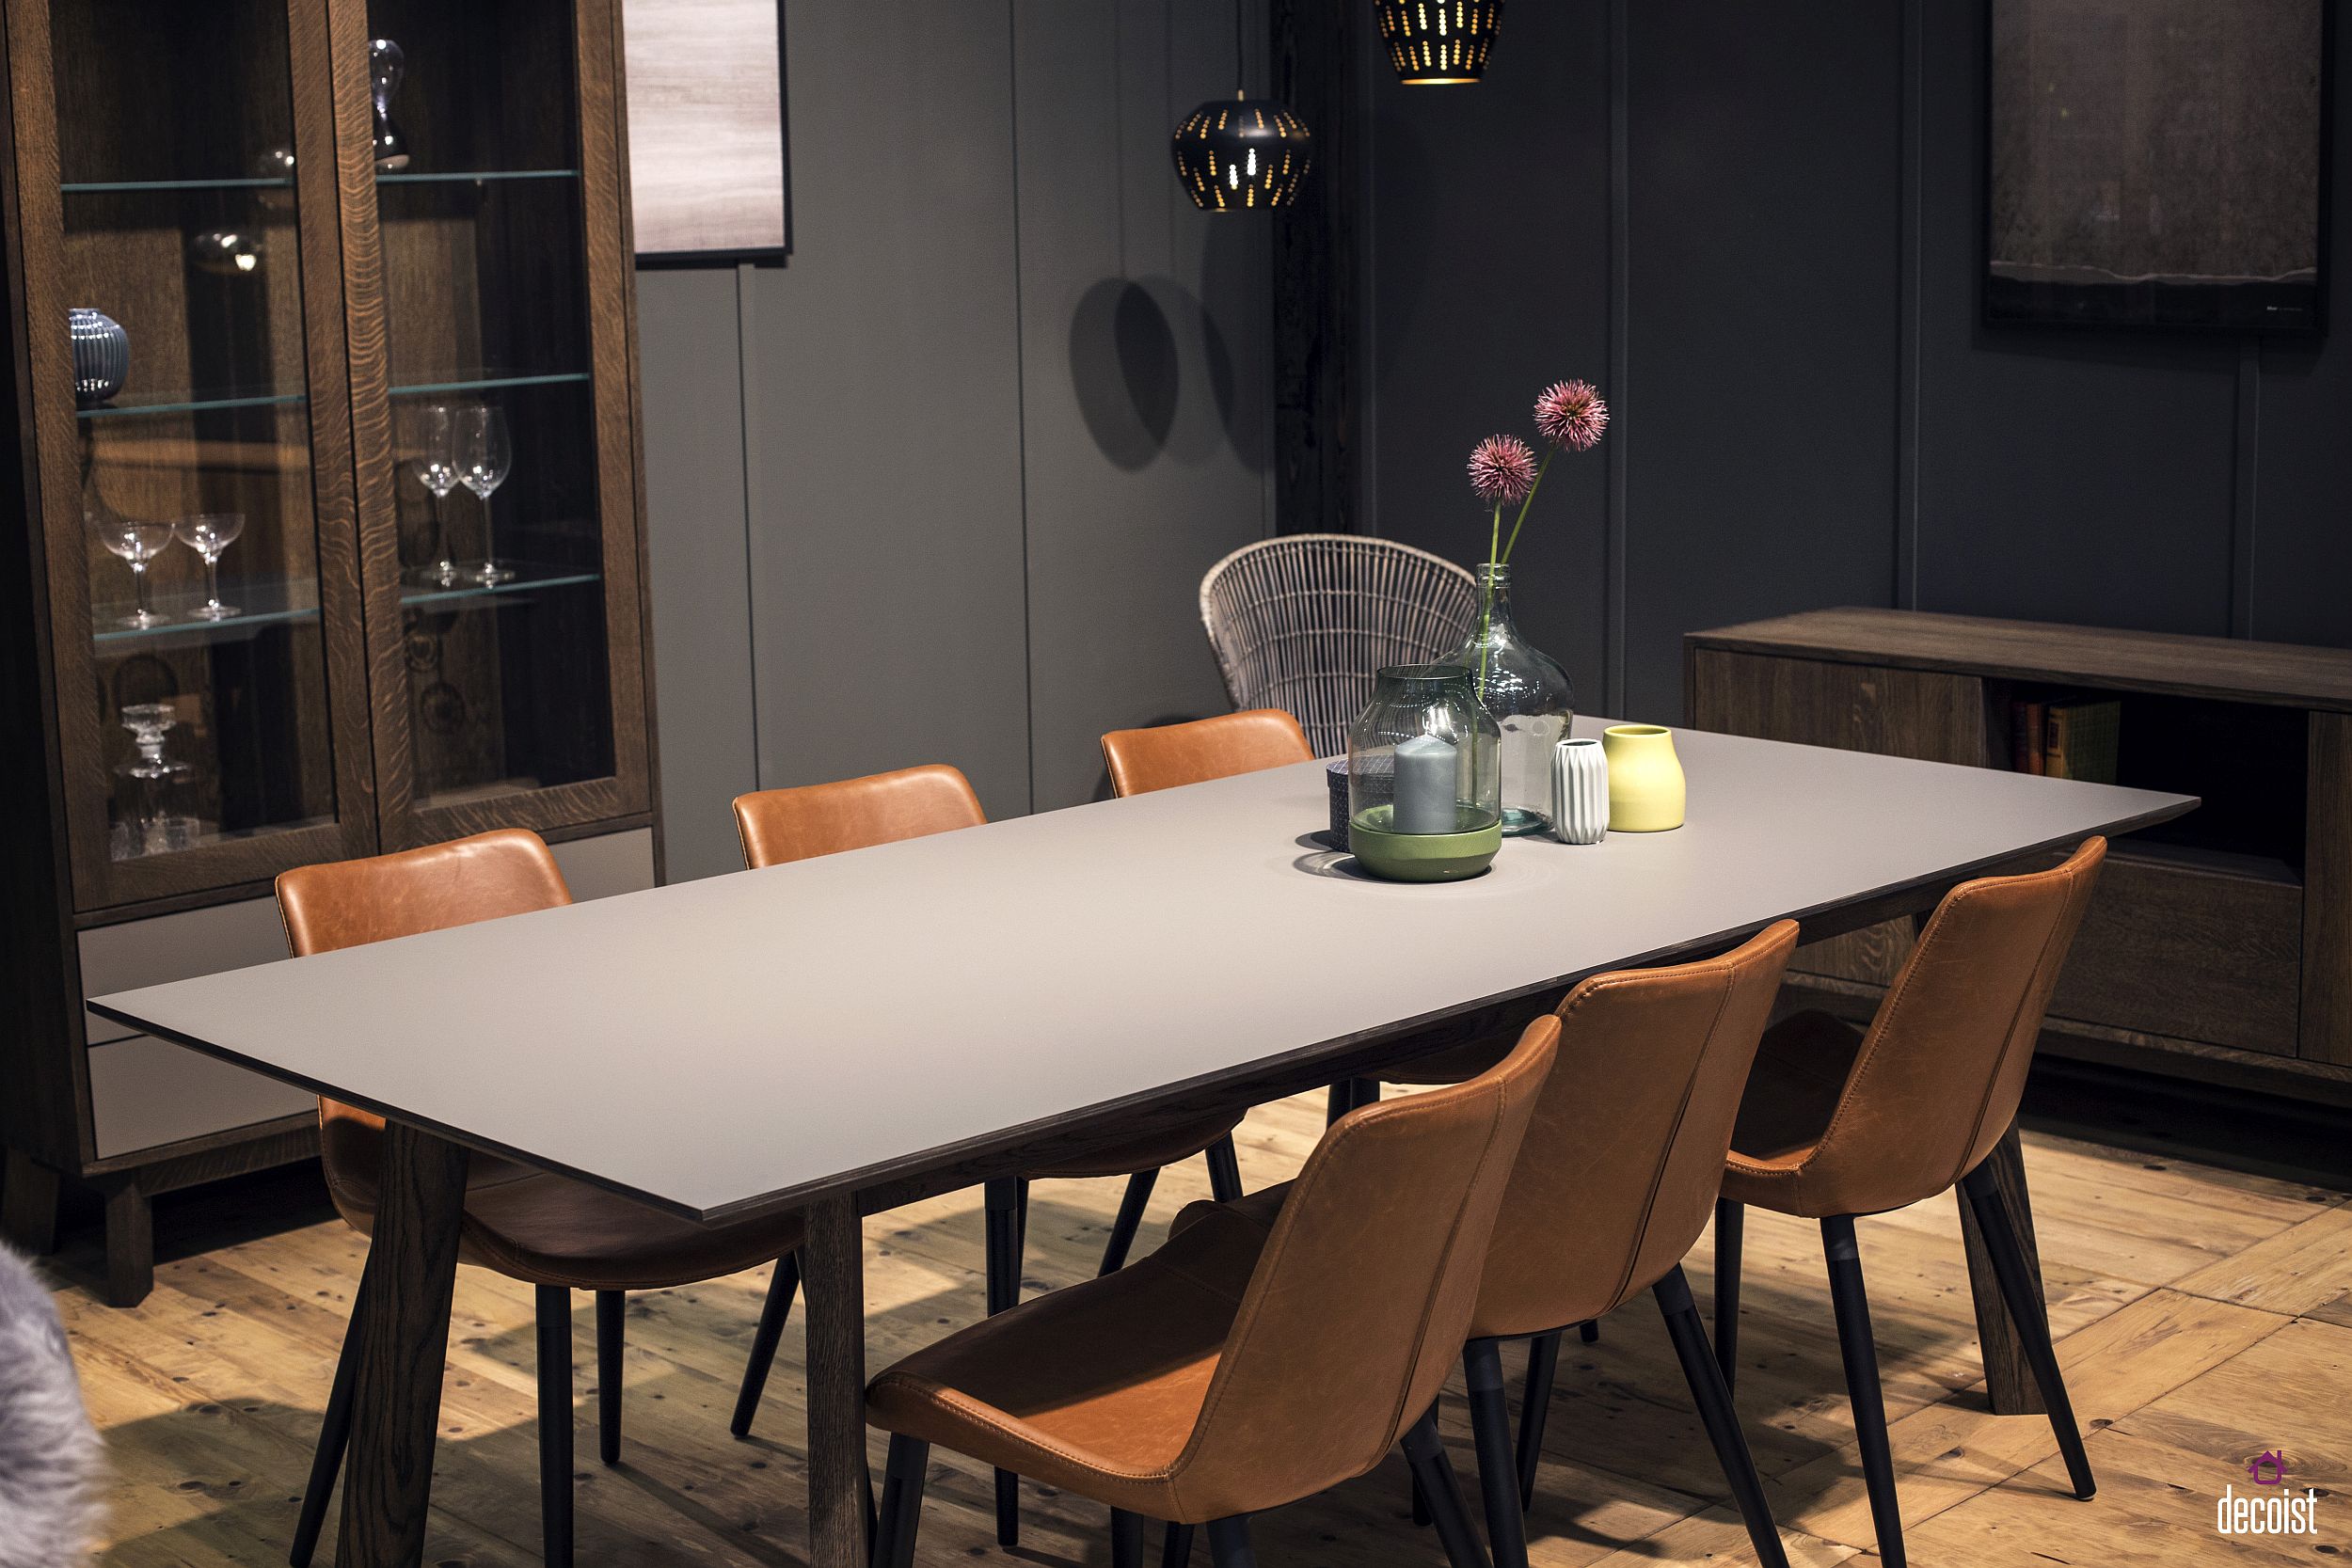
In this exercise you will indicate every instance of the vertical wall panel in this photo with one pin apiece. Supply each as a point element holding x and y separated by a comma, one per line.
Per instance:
<point>885,433</point>
<point>1490,253</point>
<point>1762,318</point>
<point>1143,333</point>
<point>702,630</point>
<point>2063,476</point>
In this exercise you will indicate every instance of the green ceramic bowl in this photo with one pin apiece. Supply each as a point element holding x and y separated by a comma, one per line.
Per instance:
<point>1421,857</point>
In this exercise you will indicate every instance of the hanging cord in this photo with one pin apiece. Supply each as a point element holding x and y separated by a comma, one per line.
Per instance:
<point>1240,57</point>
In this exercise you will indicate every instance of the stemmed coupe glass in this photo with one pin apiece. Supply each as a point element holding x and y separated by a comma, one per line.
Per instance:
<point>138,541</point>
<point>485,457</point>
<point>432,445</point>
<point>210,533</point>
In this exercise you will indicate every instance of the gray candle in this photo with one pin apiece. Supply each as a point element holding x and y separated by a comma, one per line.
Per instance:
<point>1425,768</point>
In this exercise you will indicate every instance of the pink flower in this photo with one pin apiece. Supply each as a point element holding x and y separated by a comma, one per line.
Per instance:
<point>1503,469</point>
<point>1570,414</point>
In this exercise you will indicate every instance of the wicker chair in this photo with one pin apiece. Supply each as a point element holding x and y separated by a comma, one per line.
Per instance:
<point>1302,622</point>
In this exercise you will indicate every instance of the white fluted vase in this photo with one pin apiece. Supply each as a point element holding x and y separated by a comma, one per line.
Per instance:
<point>1580,791</point>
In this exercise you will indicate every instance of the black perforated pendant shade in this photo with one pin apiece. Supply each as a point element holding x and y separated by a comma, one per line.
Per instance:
<point>1237,153</point>
<point>1434,41</point>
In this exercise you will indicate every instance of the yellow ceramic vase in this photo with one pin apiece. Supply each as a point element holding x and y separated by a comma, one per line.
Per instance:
<point>1644,778</point>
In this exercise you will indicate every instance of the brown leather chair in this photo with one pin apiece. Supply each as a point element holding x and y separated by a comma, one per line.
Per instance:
<point>1837,1122</point>
<point>1235,1370</point>
<point>1616,1179</point>
<point>551,1232</point>
<point>780,825</point>
<point>1168,756</point>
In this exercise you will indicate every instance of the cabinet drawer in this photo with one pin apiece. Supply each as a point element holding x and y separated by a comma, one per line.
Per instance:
<point>2182,951</point>
<point>175,947</point>
<point>145,1092</point>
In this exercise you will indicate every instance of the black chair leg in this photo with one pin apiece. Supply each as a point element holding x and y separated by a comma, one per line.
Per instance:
<point>1588,1331</point>
<point>612,1331</point>
<point>334,1437</point>
<point>2033,1324</point>
<point>1860,1353</point>
<point>1003,1203</point>
<point>1224,1171</point>
<point>1229,1542</point>
<point>901,1502</point>
<point>1730,1230</point>
<point>554,1311</point>
<point>1126,1538</point>
<point>1497,1466</point>
<point>1713,1395</point>
<point>1131,1207</point>
<point>1543,1368</point>
<point>1435,1473</point>
<point>1348,1094</point>
<point>782,1287</point>
<point>1176,1547</point>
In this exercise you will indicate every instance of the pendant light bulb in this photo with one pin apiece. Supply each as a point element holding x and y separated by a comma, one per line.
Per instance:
<point>1241,153</point>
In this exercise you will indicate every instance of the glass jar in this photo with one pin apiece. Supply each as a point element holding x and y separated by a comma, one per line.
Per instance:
<point>1423,786</point>
<point>1529,696</point>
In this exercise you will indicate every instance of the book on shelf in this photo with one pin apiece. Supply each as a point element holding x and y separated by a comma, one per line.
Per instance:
<point>2066,738</point>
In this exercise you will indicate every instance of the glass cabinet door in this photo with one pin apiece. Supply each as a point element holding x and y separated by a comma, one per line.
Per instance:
<point>505,573</point>
<point>190,405</point>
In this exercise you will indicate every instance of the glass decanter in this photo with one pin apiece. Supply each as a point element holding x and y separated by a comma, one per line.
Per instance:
<point>1526,693</point>
<point>156,777</point>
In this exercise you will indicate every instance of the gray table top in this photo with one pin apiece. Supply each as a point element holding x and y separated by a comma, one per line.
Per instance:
<point>725,1044</point>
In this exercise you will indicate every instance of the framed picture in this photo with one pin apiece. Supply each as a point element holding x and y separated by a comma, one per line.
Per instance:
<point>710,170</point>
<point>2158,163</point>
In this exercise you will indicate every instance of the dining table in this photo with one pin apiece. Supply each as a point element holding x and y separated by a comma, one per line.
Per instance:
<point>844,1035</point>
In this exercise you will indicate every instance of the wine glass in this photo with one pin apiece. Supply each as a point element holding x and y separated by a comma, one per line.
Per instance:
<point>485,457</point>
<point>210,533</point>
<point>138,541</point>
<point>431,442</point>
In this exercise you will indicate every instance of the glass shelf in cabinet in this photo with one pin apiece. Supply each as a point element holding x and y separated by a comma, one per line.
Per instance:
<point>185,400</point>
<point>258,605</point>
<point>478,176</point>
<point>528,576</point>
<point>487,381</point>
<point>115,187</point>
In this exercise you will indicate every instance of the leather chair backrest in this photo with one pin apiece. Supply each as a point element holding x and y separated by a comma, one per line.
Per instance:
<point>1625,1155</point>
<point>350,903</point>
<point>780,825</point>
<point>1937,1079</point>
<point>1168,756</point>
<point>1361,1298</point>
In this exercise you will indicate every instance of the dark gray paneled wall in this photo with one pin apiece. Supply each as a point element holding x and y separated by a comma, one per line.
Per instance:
<point>1758,227</point>
<point>941,488</point>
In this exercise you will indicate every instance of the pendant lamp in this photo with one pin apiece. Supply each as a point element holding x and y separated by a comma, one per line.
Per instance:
<point>1241,153</point>
<point>1433,43</point>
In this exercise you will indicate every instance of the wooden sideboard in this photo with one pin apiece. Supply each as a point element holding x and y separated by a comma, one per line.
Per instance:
<point>2220,947</point>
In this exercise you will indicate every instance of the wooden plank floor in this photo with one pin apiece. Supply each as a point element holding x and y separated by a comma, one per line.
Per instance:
<point>2204,1316</point>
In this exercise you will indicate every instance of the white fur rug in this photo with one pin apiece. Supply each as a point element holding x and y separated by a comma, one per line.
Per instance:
<point>48,1453</point>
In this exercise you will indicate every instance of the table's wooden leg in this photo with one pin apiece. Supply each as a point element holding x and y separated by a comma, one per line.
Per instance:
<point>404,1346</point>
<point>2009,1381</point>
<point>833,1263</point>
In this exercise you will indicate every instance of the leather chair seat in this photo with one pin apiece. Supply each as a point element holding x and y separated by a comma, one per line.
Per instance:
<point>548,1230</point>
<point>1793,1092</point>
<point>1096,1388</point>
<point>1145,1150</point>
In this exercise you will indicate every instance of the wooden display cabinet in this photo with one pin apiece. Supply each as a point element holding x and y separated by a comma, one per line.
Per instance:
<point>2218,947</point>
<point>314,287</point>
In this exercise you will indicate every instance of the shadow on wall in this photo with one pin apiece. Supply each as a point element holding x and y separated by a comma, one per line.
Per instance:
<point>1153,372</point>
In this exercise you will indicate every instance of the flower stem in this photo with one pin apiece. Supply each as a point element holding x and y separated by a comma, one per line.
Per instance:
<point>1541,469</point>
<point>1486,591</point>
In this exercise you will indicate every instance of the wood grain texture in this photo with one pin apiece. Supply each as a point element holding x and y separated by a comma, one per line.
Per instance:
<point>396,1400</point>
<point>2163,1282</point>
<point>707,95</point>
<point>2008,1377</point>
<point>2175,950</point>
<point>2221,666</point>
<point>1319,372</point>
<point>2327,892</point>
<point>833,1262</point>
